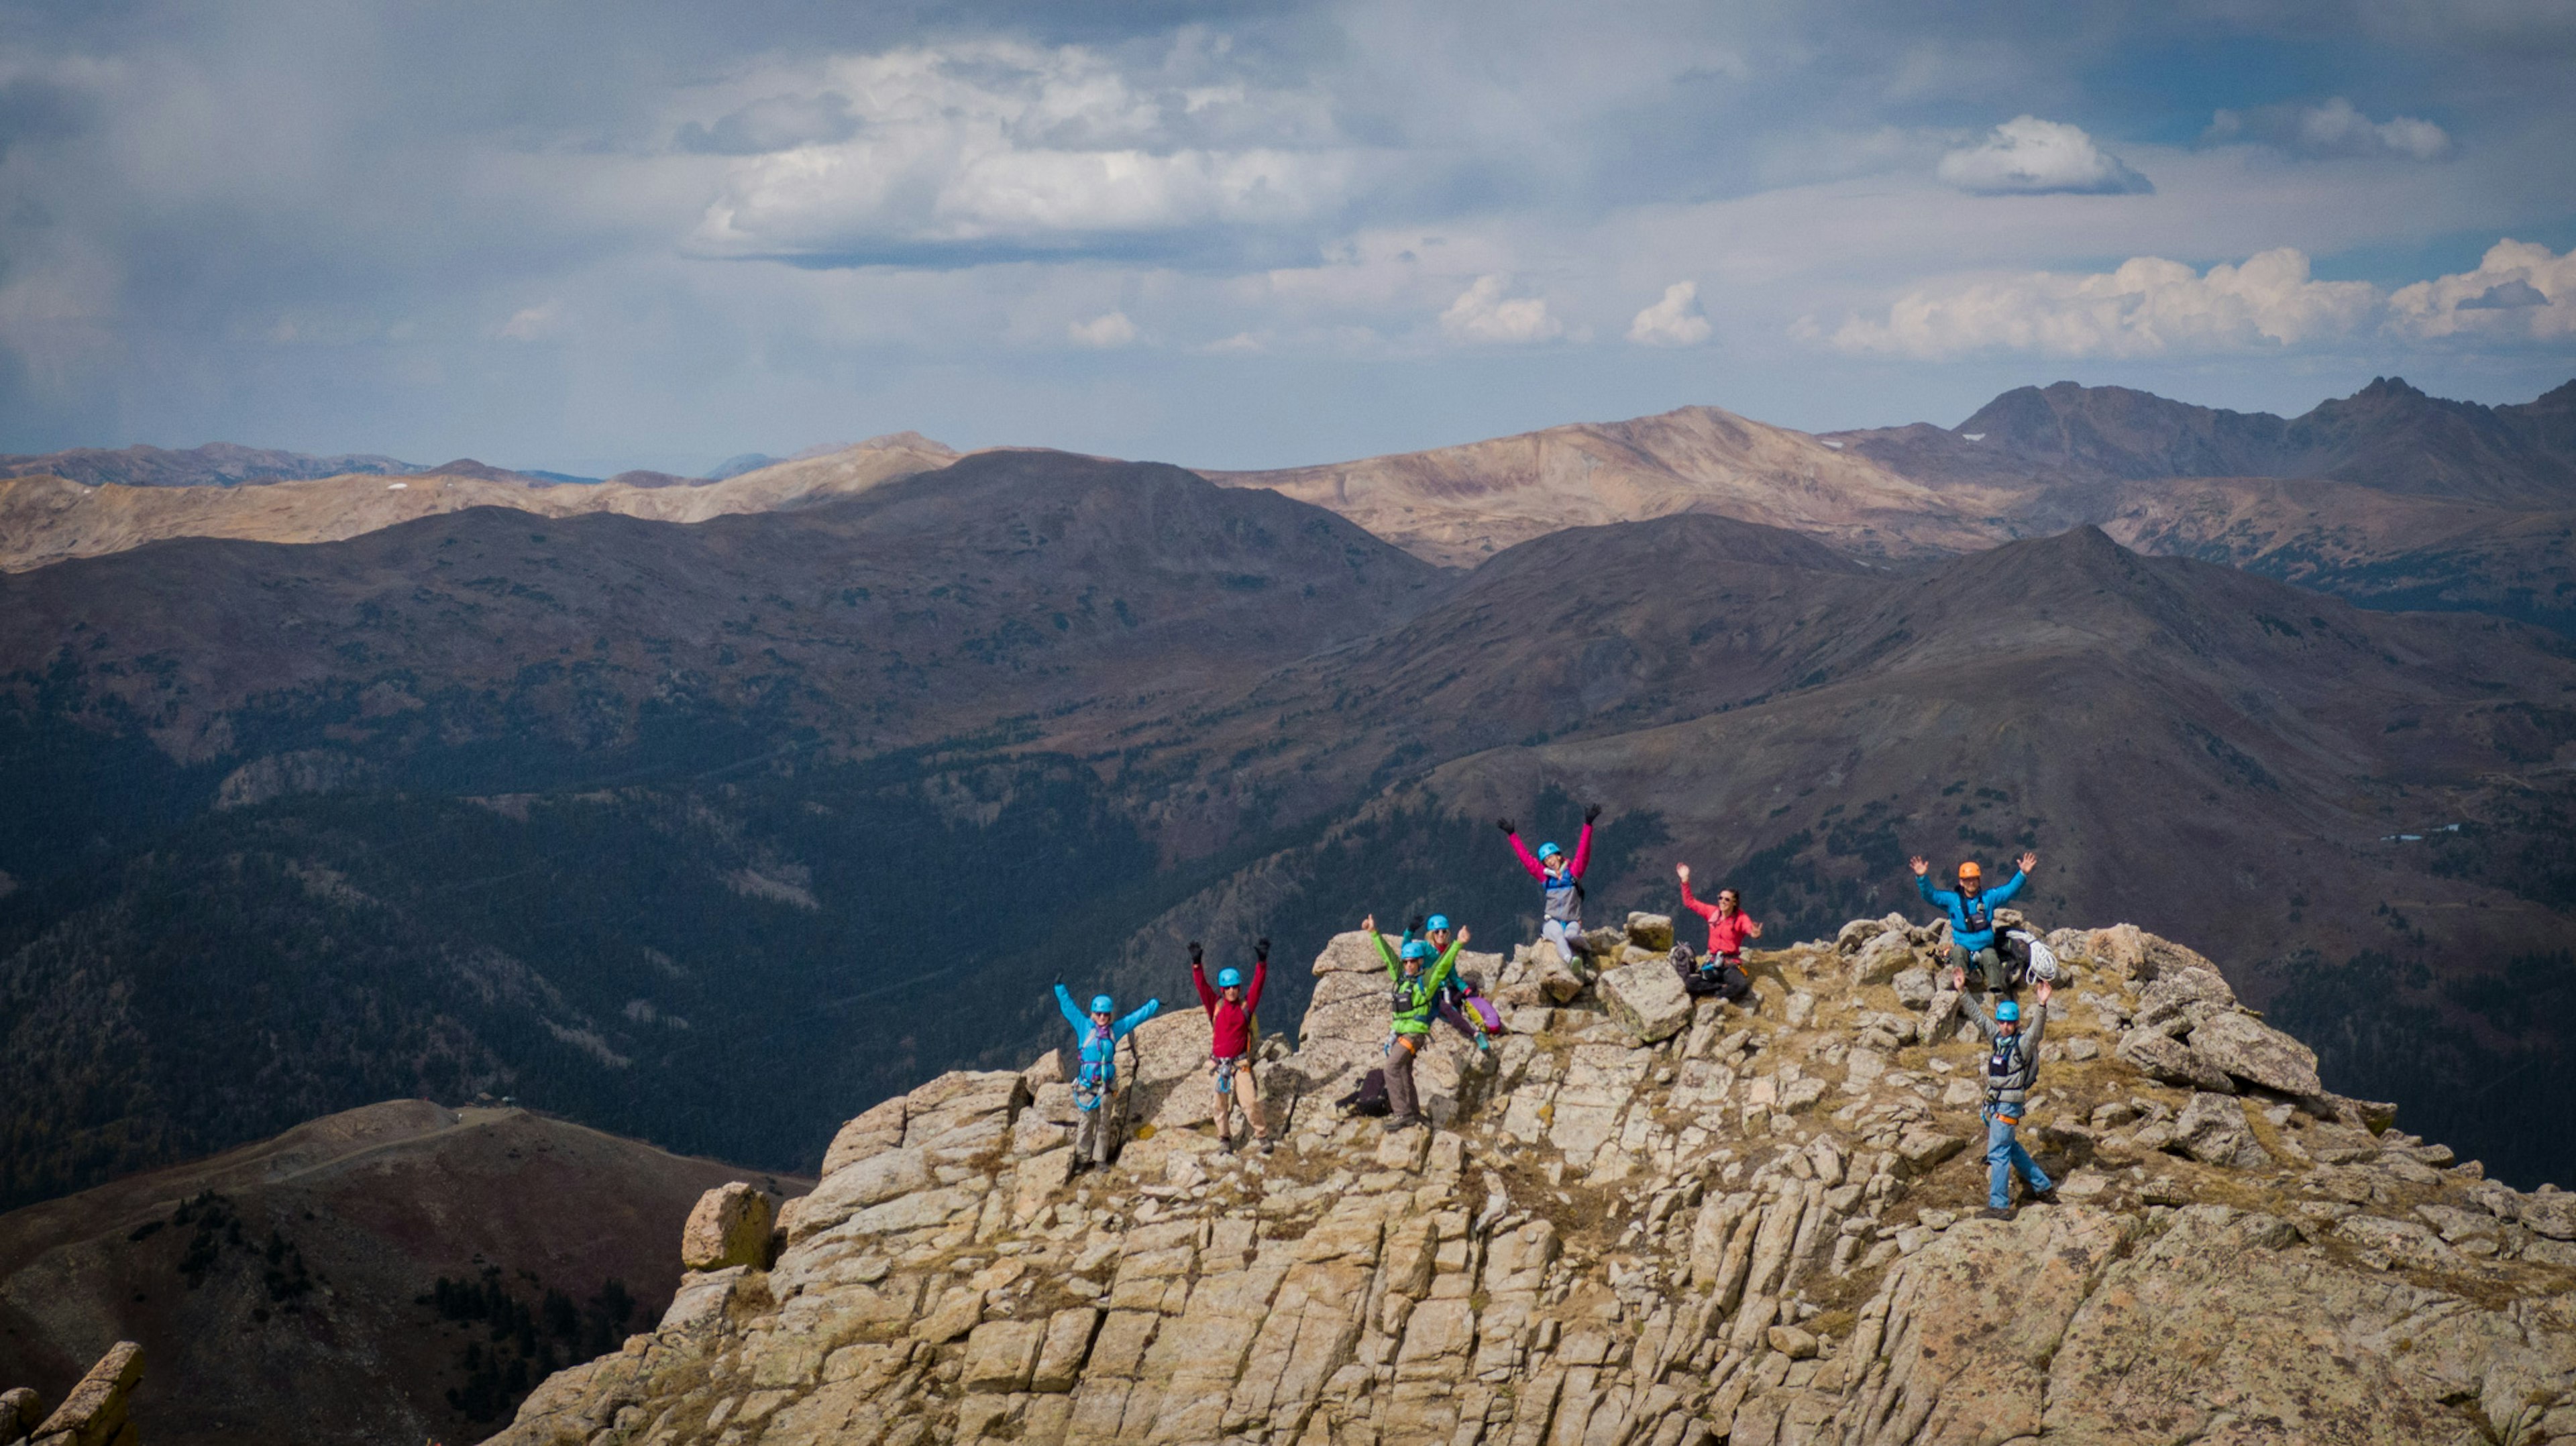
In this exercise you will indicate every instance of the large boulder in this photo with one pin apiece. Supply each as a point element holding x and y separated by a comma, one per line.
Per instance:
<point>2549,1212</point>
<point>871,1181</point>
<point>1915,988</point>
<point>1651,931</point>
<point>20,1409</point>
<point>2256,1053</point>
<point>1647,999</point>
<point>877,1130</point>
<point>94,1413</point>
<point>730,1226</point>
<point>2212,1130</point>
<point>2163,1057</point>
<point>1882,959</point>
<point>2192,994</point>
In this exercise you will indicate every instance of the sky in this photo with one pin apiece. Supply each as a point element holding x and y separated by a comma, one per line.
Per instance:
<point>591,236</point>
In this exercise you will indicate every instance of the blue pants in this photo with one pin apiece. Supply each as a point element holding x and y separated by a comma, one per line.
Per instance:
<point>2004,1155</point>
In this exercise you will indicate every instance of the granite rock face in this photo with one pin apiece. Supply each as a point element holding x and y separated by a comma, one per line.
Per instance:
<point>1759,1226</point>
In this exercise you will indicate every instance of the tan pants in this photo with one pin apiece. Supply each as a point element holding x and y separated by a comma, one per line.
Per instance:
<point>1239,1086</point>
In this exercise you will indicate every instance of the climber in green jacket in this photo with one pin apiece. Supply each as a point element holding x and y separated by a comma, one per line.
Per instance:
<point>1415,989</point>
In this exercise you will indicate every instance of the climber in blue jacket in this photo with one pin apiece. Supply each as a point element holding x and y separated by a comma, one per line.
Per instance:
<point>1972,915</point>
<point>1095,1083</point>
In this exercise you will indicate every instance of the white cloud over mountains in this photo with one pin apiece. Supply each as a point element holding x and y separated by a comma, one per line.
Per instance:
<point>1482,313</point>
<point>1006,146</point>
<point>2334,129</point>
<point>2030,157</point>
<point>2151,307</point>
<point>1673,321</point>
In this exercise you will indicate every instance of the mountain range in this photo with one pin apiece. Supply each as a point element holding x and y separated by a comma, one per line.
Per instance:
<point>563,807</point>
<point>712,812</point>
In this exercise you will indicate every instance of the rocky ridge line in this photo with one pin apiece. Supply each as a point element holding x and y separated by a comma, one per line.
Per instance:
<point>1644,1220</point>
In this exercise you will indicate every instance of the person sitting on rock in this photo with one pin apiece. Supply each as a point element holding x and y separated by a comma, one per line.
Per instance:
<point>1229,1009</point>
<point>2012,1065</point>
<point>1722,972</point>
<point>1095,1083</point>
<point>1972,916</point>
<point>1461,1002</point>
<point>1414,981</point>
<point>1560,880</point>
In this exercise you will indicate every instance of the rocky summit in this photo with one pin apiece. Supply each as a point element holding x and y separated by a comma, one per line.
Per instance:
<point>1641,1219</point>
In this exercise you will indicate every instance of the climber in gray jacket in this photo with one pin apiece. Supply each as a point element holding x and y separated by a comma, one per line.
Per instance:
<point>2012,1066</point>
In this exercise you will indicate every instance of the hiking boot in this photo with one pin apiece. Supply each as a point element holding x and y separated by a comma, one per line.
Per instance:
<point>1270,1144</point>
<point>1405,1122</point>
<point>1993,1212</point>
<point>1225,1144</point>
<point>2043,1197</point>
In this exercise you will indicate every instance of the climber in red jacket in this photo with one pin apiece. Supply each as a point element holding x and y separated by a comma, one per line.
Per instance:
<point>1232,1032</point>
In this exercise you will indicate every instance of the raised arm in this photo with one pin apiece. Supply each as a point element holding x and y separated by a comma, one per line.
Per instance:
<point>2004,891</point>
<point>1260,976</point>
<point>1198,976</point>
<point>1529,860</point>
<point>1697,906</point>
<point>1072,1016</point>
<point>1448,961</point>
<point>1394,966</point>
<point>1583,844</point>
<point>1128,1025</point>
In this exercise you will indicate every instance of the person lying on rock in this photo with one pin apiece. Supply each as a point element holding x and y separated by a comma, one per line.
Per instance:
<point>1722,972</point>
<point>1461,1001</point>
<point>2012,1065</point>
<point>1095,1083</point>
<point>1972,915</point>
<point>1414,979</point>
<point>1560,881</point>
<point>1231,1033</point>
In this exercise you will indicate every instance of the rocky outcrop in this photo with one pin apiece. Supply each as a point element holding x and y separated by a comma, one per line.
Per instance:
<point>93,1414</point>
<point>1758,1227</point>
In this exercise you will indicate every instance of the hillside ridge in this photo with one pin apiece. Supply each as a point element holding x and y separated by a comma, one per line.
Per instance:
<point>1643,1220</point>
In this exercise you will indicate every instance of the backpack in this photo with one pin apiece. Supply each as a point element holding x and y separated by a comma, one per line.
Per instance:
<point>1369,1098</point>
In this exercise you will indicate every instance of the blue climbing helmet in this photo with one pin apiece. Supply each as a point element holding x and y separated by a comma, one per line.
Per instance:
<point>1229,978</point>
<point>1436,923</point>
<point>1103,1004</point>
<point>2008,1013</point>
<point>1417,949</point>
<point>1548,851</point>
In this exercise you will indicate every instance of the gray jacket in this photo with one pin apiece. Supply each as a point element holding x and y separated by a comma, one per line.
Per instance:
<point>2008,1077</point>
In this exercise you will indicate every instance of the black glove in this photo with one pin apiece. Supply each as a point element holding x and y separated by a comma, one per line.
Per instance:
<point>1261,950</point>
<point>1194,951</point>
<point>1506,825</point>
<point>1414,925</point>
<point>1591,811</point>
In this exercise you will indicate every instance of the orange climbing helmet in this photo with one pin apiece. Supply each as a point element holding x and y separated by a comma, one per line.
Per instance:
<point>1969,872</point>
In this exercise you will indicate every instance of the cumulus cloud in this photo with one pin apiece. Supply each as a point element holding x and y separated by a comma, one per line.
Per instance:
<point>772,123</point>
<point>2519,292</point>
<point>1483,314</point>
<point>1673,321</point>
<point>2148,307</point>
<point>999,145</point>
<point>1106,331</point>
<point>2027,156</point>
<point>2335,128</point>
